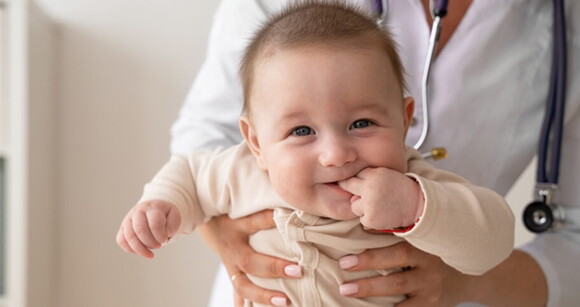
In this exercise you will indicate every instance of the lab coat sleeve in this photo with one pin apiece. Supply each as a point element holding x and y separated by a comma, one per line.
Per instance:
<point>558,253</point>
<point>203,185</point>
<point>470,228</point>
<point>210,113</point>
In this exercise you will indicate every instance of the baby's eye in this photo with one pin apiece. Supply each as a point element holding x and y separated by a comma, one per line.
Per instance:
<point>302,131</point>
<point>361,123</point>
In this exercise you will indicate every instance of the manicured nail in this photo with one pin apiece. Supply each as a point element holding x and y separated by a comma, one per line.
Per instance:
<point>348,289</point>
<point>348,262</point>
<point>279,301</point>
<point>293,270</point>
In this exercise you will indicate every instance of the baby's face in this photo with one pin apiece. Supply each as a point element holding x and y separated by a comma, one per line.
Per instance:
<point>321,115</point>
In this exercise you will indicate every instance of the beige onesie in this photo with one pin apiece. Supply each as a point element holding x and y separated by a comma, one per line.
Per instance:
<point>469,227</point>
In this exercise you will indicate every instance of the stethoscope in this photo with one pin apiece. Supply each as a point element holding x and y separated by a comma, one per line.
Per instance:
<point>543,214</point>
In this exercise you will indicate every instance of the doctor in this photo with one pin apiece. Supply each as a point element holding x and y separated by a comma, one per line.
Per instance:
<point>487,92</point>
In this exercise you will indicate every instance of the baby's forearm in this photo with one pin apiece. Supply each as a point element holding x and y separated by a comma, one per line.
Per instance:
<point>471,228</point>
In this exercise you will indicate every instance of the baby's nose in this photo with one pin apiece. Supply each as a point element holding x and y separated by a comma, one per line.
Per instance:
<point>336,152</point>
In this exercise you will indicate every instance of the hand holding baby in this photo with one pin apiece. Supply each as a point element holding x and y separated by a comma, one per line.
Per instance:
<point>147,226</point>
<point>384,198</point>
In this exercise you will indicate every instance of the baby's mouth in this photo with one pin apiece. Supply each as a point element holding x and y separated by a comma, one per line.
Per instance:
<point>335,186</point>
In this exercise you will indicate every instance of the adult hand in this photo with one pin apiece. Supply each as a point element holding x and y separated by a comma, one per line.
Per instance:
<point>229,238</point>
<point>426,280</point>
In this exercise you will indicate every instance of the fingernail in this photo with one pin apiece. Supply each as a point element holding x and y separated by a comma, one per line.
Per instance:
<point>348,262</point>
<point>348,289</point>
<point>293,270</point>
<point>279,301</point>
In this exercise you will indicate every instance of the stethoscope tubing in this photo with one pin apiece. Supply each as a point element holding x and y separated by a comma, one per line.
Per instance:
<point>550,143</point>
<point>550,140</point>
<point>433,39</point>
<point>438,10</point>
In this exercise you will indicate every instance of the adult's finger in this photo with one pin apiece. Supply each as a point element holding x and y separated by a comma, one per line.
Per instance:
<point>253,223</point>
<point>415,301</point>
<point>250,262</point>
<point>399,255</point>
<point>245,288</point>
<point>399,283</point>
<point>235,251</point>
<point>238,300</point>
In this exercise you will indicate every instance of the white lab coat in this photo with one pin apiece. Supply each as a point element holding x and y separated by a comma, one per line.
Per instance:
<point>488,89</point>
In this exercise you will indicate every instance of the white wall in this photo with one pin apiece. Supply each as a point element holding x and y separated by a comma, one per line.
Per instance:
<point>124,68</point>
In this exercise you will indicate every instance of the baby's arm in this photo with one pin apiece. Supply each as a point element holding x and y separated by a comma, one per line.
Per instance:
<point>471,228</point>
<point>147,226</point>
<point>169,206</point>
<point>190,189</point>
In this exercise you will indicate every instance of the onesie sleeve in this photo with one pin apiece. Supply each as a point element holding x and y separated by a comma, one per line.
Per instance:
<point>203,185</point>
<point>470,228</point>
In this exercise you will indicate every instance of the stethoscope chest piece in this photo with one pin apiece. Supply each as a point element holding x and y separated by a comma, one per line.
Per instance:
<point>539,217</point>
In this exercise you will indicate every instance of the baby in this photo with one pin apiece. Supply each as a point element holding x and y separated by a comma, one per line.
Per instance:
<point>324,124</point>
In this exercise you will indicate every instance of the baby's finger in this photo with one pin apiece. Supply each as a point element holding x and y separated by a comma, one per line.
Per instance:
<point>357,206</point>
<point>353,185</point>
<point>157,225</point>
<point>173,223</point>
<point>123,243</point>
<point>141,228</point>
<point>134,242</point>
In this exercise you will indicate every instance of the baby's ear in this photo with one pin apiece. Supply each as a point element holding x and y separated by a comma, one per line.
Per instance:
<point>249,134</point>
<point>408,109</point>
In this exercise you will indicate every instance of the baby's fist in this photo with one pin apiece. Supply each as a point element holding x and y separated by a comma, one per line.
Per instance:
<point>147,226</point>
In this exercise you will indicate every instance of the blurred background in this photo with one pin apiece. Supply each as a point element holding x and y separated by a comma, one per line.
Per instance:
<point>118,73</point>
<point>124,68</point>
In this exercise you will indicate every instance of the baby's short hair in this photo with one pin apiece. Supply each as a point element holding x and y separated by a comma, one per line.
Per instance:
<point>316,21</point>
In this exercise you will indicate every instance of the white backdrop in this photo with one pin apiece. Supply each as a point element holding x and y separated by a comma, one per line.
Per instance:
<point>124,68</point>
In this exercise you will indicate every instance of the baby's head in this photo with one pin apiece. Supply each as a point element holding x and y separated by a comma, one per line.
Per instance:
<point>323,99</point>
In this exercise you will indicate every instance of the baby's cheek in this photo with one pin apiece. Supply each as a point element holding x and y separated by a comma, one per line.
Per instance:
<point>288,187</point>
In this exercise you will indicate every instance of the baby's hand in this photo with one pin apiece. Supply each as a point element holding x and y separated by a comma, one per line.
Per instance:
<point>147,226</point>
<point>384,198</point>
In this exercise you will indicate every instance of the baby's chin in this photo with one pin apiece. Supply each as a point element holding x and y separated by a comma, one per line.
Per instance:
<point>342,216</point>
<point>341,213</point>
